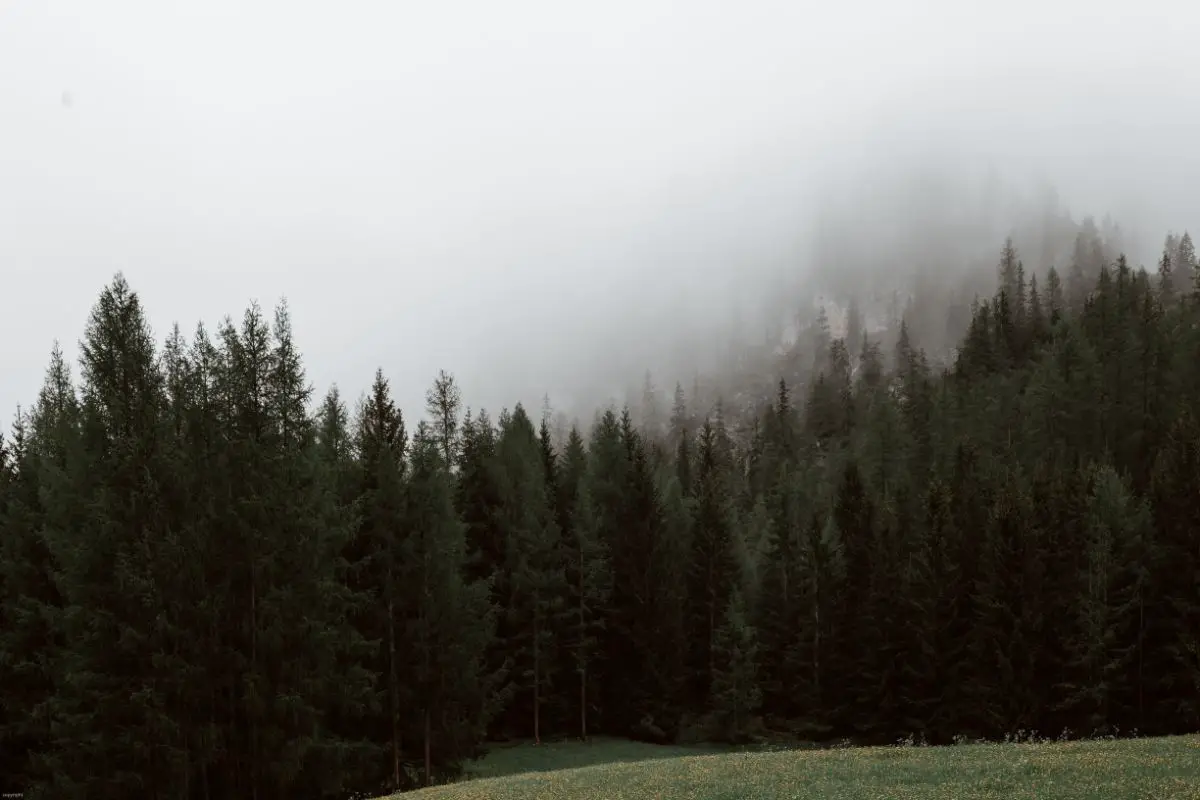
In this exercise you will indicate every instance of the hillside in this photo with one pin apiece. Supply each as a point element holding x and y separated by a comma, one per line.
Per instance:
<point>1110,770</point>
<point>309,602</point>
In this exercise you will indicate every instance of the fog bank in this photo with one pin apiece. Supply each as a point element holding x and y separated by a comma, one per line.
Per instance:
<point>546,199</point>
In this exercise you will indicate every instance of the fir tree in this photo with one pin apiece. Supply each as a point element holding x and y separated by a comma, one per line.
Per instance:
<point>735,691</point>
<point>533,564</point>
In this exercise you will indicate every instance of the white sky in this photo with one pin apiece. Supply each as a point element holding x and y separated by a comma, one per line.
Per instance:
<point>537,196</point>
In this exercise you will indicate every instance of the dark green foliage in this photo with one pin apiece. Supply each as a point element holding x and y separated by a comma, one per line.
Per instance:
<point>211,588</point>
<point>535,601</point>
<point>449,620</point>
<point>713,559</point>
<point>589,581</point>
<point>735,690</point>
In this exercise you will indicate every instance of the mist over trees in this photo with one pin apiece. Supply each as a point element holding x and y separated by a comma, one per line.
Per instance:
<point>952,509</point>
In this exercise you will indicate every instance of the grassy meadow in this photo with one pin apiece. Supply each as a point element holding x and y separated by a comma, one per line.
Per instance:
<point>1147,769</point>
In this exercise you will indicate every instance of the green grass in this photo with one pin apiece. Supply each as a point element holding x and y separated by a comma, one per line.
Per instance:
<point>514,759</point>
<point>1153,769</point>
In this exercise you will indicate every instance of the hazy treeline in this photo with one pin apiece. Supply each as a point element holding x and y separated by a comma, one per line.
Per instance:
<point>212,590</point>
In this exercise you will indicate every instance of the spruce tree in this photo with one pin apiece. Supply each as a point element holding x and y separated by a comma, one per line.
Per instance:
<point>443,404</point>
<point>735,691</point>
<point>29,597</point>
<point>1106,637</point>
<point>375,562</point>
<point>713,565</point>
<point>117,571</point>
<point>667,657</point>
<point>449,620</point>
<point>1175,611</point>
<point>533,564</point>
<point>588,573</point>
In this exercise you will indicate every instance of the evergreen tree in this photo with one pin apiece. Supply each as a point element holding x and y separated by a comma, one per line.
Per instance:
<point>590,579</point>
<point>667,656</point>
<point>1110,602</point>
<point>533,563</point>
<point>1175,611</point>
<point>374,560</point>
<point>735,691</point>
<point>1185,264</point>
<point>449,620</point>
<point>680,440</point>
<point>113,694</point>
<point>209,588</point>
<point>29,597</point>
<point>443,403</point>
<point>713,562</point>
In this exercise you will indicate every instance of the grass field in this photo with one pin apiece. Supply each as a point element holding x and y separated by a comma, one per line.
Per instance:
<point>1149,769</point>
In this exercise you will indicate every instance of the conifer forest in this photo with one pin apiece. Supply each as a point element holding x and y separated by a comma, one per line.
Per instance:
<point>216,583</point>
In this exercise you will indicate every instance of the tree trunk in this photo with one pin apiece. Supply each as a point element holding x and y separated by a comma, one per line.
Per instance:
<point>427,646</point>
<point>1141,659</point>
<point>393,689</point>
<point>254,671</point>
<point>428,750</point>
<point>817,650</point>
<point>582,656</point>
<point>537,675</point>
<point>712,625</point>
<point>583,703</point>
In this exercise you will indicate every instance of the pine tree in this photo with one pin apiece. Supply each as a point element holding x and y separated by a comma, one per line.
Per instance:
<point>116,584</point>
<point>588,573</point>
<point>1008,615</point>
<point>735,691</point>
<point>477,497</point>
<point>1056,303</point>
<point>302,633</point>
<point>374,559</point>
<point>713,557</point>
<point>1186,273</point>
<point>449,621</point>
<point>1175,612</point>
<point>443,403</point>
<point>1008,270</point>
<point>779,618</point>
<point>29,597</point>
<point>1167,288</point>
<point>632,637</point>
<point>679,439</point>
<point>533,564</point>
<point>854,515</point>
<point>1110,603</point>
<point>667,656</point>
<point>355,754</point>
<point>933,604</point>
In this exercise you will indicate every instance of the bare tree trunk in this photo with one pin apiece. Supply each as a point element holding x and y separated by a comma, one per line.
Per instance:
<point>428,750</point>
<point>537,677</point>
<point>427,672</point>
<point>817,649</point>
<point>254,667</point>
<point>1141,658</point>
<point>393,689</point>
<point>582,654</point>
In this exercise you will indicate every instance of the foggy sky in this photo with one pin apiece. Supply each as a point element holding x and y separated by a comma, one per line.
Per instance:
<point>544,196</point>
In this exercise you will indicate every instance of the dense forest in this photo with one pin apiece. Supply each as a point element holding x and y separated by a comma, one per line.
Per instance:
<point>215,584</point>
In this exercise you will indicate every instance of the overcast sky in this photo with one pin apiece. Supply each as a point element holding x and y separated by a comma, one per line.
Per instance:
<point>533,195</point>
